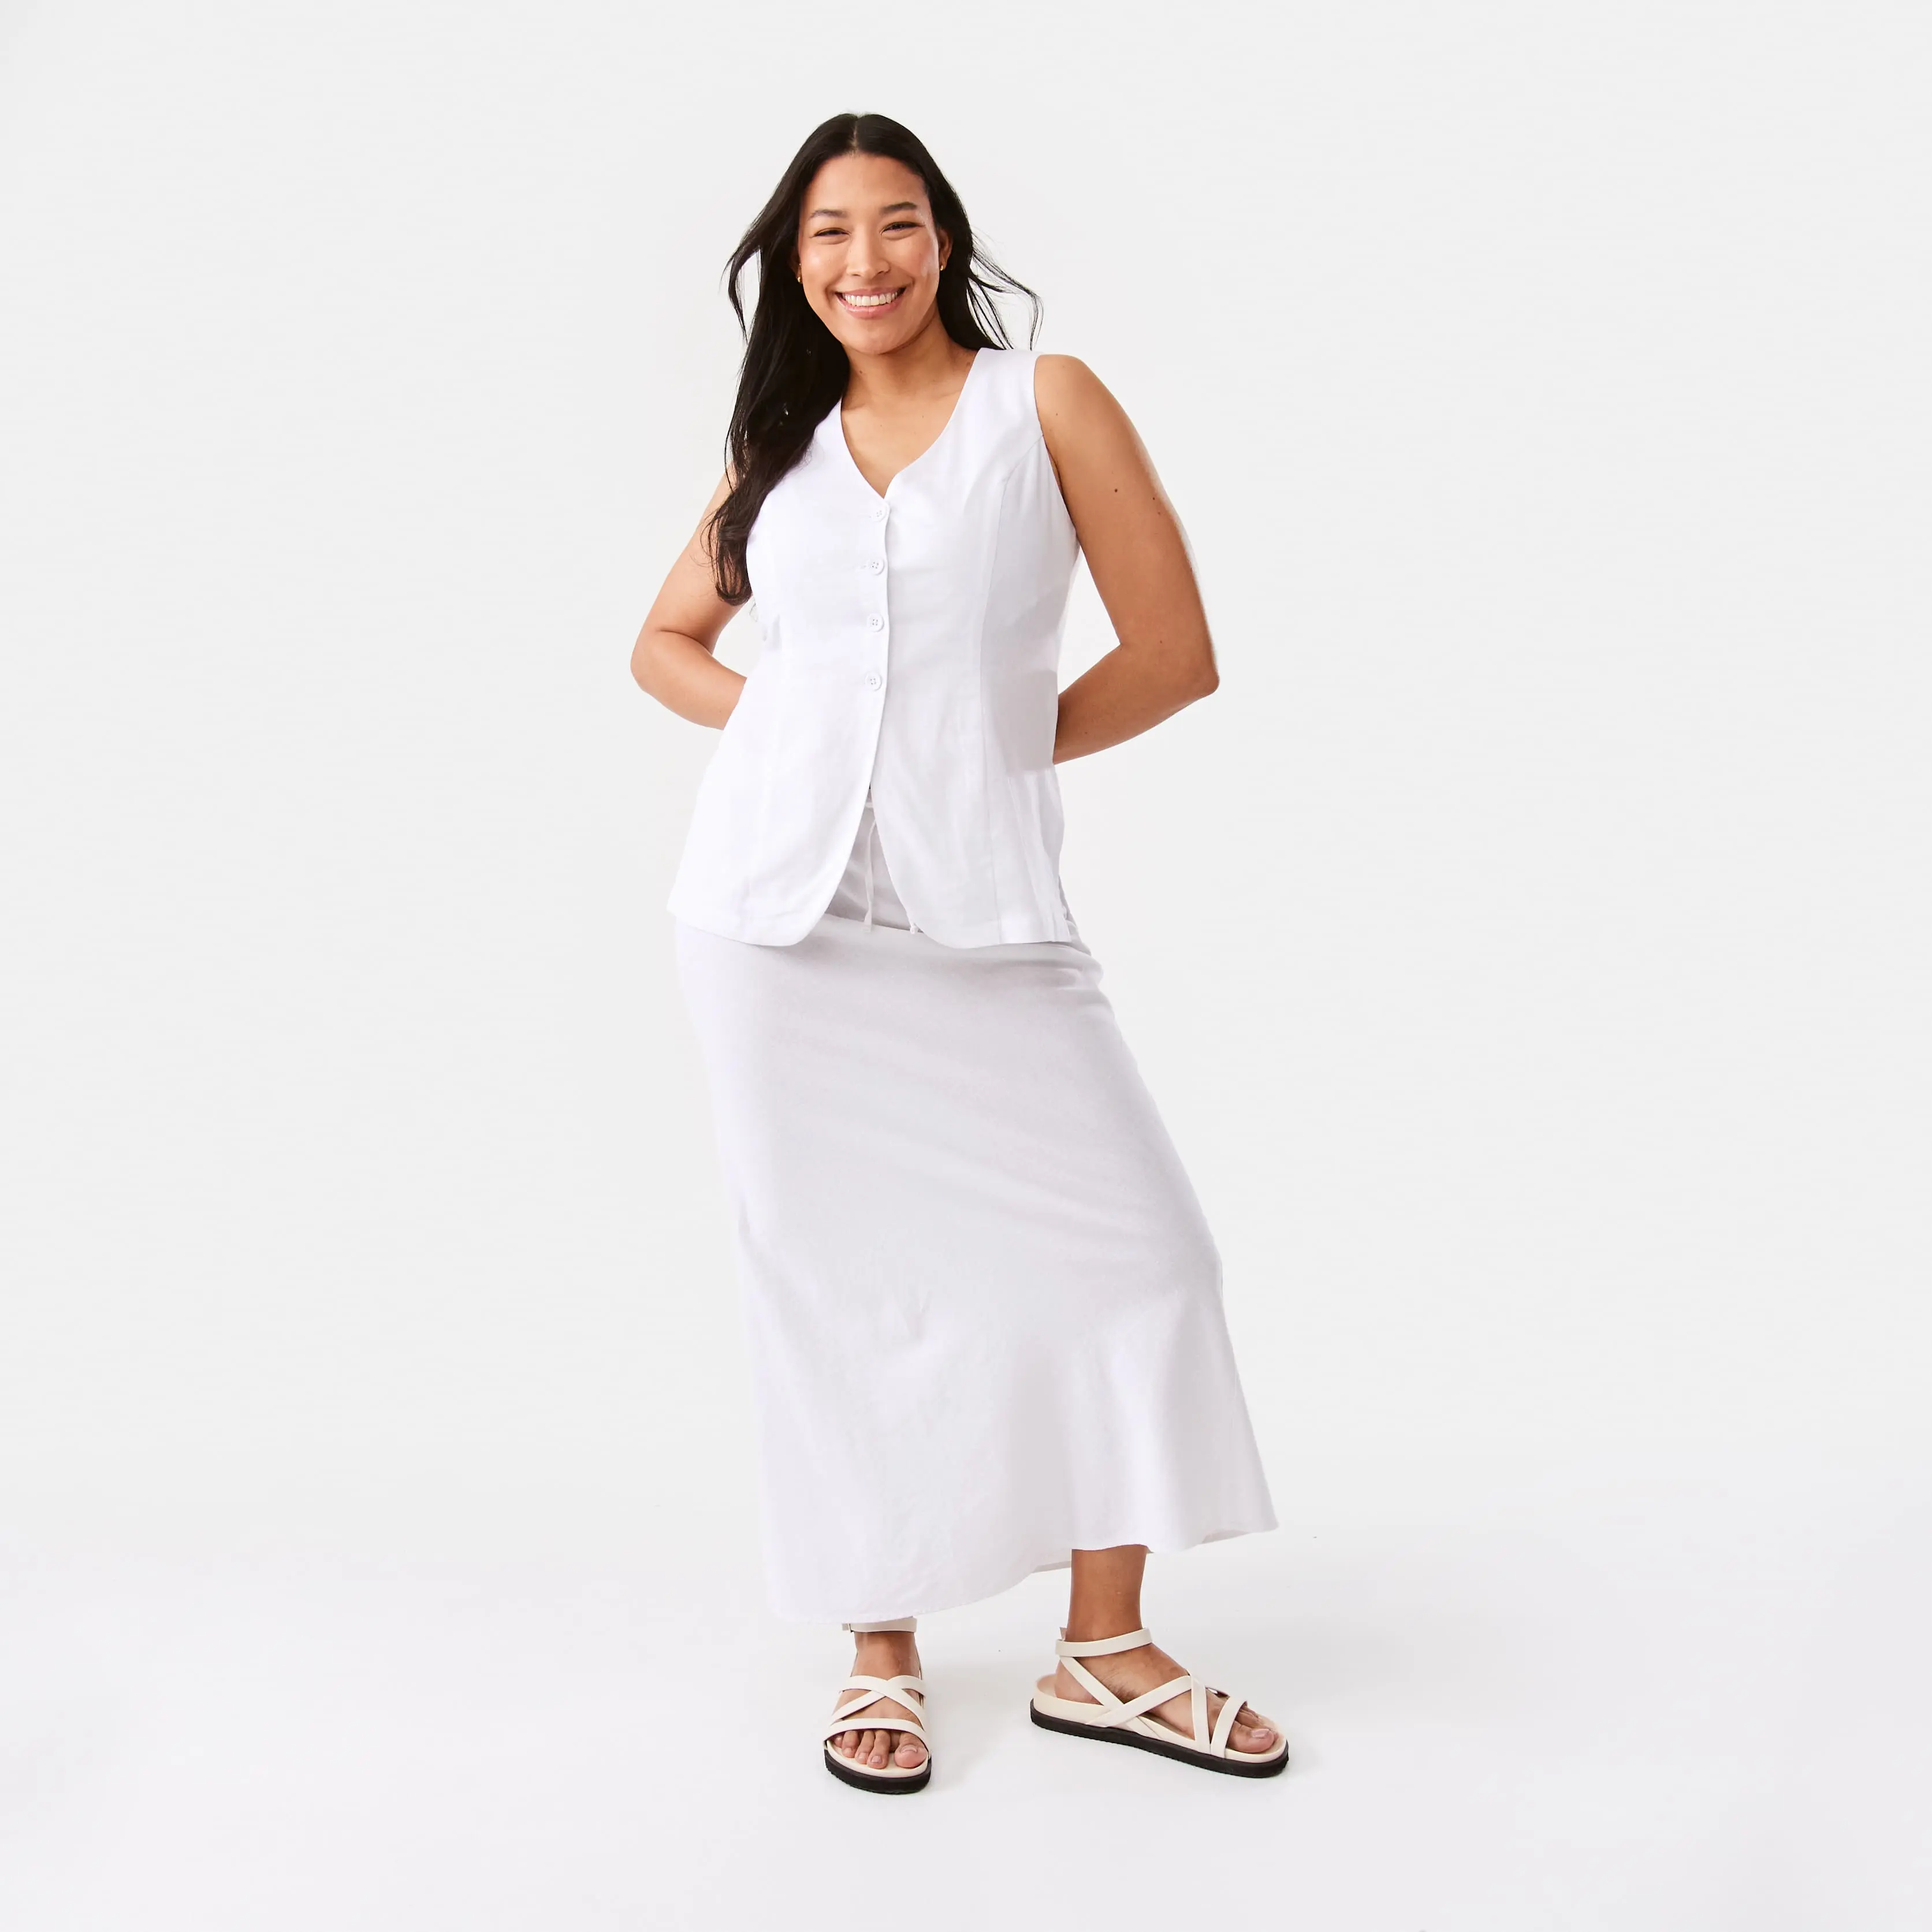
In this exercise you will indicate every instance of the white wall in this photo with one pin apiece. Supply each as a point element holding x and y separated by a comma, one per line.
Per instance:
<point>1527,944</point>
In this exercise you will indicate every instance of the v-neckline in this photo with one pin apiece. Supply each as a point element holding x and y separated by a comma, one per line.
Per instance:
<point>837,421</point>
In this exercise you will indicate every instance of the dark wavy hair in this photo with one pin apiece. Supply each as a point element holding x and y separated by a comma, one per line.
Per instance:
<point>795,369</point>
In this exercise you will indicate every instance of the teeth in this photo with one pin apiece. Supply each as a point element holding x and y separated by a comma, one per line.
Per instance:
<point>868,301</point>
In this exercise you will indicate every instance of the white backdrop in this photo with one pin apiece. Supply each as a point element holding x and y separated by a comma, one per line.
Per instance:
<point>1545,393</point>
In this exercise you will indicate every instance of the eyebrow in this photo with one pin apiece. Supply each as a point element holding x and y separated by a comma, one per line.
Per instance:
<point>838,214</point>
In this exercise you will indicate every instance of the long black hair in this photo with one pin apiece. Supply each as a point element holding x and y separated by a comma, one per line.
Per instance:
<point>795,369</point>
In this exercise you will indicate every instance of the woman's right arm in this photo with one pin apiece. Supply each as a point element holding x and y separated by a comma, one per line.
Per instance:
<point>673,657</point>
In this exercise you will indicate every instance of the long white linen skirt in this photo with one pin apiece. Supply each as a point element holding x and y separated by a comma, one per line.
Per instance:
<point>983,1306</point>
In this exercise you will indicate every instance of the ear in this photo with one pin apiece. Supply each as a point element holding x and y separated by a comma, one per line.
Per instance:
<point>945,250</point>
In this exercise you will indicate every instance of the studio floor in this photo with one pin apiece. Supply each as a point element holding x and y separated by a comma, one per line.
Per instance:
<point>1636,1701</point>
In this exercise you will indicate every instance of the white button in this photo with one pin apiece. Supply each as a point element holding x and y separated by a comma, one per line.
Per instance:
<point>879,514</point>
<point>874,679</point>
<point>875,623</point>
<point>878,564</point>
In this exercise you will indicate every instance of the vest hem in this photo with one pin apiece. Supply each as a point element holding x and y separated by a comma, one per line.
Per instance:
<point>789,930</point>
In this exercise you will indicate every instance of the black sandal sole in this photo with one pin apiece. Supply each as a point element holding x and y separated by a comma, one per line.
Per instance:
<point>1137,1741</point>
<point>890,1787</point>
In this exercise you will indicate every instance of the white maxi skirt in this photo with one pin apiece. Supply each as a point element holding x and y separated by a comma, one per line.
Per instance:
<point>982,1306</point>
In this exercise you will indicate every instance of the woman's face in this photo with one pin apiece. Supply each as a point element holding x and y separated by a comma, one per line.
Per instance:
<point>868,255</point>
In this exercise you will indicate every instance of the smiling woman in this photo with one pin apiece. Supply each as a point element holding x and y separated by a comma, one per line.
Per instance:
<point>985,1309</point>
<point>884,251</point>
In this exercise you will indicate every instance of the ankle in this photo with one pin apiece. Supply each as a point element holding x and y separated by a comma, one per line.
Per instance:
<point>1092,1626</point>
<point>885,1654</point>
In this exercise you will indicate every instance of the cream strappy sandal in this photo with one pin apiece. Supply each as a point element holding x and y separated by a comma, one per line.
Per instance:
<point>1115,1721</point>
<point>901,1690</point>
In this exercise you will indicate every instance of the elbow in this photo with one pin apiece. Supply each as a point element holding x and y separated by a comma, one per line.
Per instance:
<point>643,663</point>
<point>1200,678</point>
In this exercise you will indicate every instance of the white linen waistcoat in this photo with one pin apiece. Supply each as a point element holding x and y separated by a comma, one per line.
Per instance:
<point>912,642</point>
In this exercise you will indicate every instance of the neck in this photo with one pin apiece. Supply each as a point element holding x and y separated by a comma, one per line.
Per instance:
<point>931,361</point>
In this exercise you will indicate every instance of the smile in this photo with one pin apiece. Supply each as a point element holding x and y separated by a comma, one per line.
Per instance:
<point>868,301</point>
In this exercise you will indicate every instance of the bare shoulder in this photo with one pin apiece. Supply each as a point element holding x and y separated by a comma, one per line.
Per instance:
<point>1065,387</point>
<point>1083,423</point>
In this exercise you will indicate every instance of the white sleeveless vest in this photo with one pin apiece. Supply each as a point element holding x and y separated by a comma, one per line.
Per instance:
<point>912,642</point>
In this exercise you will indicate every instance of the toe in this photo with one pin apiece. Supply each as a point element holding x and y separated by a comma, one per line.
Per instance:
<point>910,1754</point>
<point>846,1743</point>
<point>1252,1732</point>
<point>875,1752</point>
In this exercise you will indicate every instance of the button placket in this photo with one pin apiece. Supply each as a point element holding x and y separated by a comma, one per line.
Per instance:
<point>875,622</point>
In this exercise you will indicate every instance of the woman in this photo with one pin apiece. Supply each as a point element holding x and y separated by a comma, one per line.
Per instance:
<point>984,1310</point>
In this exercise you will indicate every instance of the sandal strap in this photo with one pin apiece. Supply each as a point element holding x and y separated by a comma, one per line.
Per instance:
<point>1103,1646</point>
<point>1224,1725</point>
<point>843,1721</point>
<point>1147,1700</point>
<point>887,1687</point>
<point>1114,1711</point>
<point>876,1689</point>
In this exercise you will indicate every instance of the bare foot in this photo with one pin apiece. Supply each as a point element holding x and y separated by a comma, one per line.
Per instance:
<point>883,1654</point>
<point>1129,1673</point>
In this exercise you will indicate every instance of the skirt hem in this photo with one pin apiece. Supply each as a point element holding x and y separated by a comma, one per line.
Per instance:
<point>959,1597</point>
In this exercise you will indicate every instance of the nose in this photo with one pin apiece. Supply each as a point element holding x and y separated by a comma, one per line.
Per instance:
<point>866,258</point>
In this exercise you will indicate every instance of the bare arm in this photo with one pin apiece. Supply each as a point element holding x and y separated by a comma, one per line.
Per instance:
<point>1165,658</point>
<point>674,658</point>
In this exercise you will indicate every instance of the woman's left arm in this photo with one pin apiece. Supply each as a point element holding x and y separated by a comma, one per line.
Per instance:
<point>1134,547</point>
